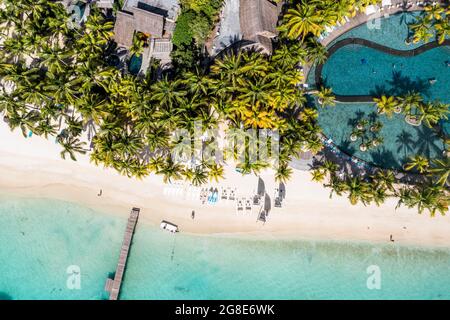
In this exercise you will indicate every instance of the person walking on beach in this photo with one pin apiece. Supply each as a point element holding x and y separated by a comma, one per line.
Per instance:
<point>193,214</point>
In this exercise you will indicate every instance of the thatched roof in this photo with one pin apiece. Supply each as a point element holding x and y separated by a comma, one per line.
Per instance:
<point>124,29</point>
<point>258,16</point>
<point>137,19</point>
<point>148,22</point>
<point>107,4</point>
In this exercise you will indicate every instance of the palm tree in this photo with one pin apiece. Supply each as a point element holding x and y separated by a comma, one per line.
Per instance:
<point>358,190</point>
<point>431,198</point>
<point>288,56</point>
<point>386,105</point>
<point>419,162</point>
<point>170,170</point>
<point>167,93</point>
<point>422,31</point>
<point>200,176</point>
<point>157,136</point>
<point>410,101</point>
<point>336,185</point>
<point>137,47</point>
<point>434,11</point>
<point>442,30</point>
<point>378,195</point>
<point>255,65</point>
<point>431,113</point>
<point>53,58</point>
<point>46,128</point>
<point>329,167</point>
<point>216,172</point>
<point>318,175</point>
<point>302,20</point>
<point>256,118</point>
<point>138,169</point>
<point>283,173</point>
<point>441,169</point>
<point>255,93</point>
<point>384,179</point>
<point>316,52</point>
<point>326,97</point>
<point>197,82</point>
<point>156,163</point>
<point>71,145</point>
<point>230,67</point>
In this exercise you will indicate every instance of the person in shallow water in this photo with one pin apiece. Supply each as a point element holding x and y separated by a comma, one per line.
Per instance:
<point>363,61</point>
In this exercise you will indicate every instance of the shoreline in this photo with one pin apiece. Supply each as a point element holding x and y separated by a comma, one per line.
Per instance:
<point>249,236</point>
<point>32,168</point>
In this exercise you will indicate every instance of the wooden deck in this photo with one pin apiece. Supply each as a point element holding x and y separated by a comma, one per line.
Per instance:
<point>113,285</point>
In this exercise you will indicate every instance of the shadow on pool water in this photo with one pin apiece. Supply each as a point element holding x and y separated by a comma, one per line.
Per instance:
<point>400,140</point>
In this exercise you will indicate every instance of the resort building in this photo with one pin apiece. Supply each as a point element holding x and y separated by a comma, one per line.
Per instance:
<point>258,21</point>
<point>246,24</point>
<point>154,18</point>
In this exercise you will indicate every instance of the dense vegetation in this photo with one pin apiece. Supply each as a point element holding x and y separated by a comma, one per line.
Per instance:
<point>61,85</point>
<point>58,83</point>
<point>193,27</point>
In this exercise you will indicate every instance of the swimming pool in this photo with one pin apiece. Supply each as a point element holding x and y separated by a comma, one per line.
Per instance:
<point>401,140</point>
<point>356,69</point>
<point>135,64</point>
<point>359,70</point>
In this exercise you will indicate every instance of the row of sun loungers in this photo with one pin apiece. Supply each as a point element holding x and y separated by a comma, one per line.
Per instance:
<point>244,203</point>
<point>212,196</point>
<point>228,194</point>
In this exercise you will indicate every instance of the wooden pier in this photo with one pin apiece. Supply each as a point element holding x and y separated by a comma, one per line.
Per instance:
<point>113,285</point>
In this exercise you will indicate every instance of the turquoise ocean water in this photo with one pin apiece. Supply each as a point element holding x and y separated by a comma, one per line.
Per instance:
<point>40,239</point>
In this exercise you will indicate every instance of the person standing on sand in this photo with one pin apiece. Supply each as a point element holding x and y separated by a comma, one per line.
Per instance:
<point>193,214</point>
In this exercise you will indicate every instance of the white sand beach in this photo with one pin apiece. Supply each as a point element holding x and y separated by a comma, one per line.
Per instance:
<point>32,167</point>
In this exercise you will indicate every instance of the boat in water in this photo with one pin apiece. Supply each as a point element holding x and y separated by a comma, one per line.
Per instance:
<point>168,226</point>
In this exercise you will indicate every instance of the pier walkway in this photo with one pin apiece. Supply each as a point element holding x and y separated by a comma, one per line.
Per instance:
<point>113,285</point>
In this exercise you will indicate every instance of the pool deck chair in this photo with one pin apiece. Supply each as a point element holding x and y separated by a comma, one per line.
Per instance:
<point>239,206</point>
